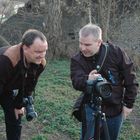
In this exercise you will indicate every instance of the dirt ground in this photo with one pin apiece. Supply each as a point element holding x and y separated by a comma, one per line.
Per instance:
<point>27,132</point>
<point>31,129</point>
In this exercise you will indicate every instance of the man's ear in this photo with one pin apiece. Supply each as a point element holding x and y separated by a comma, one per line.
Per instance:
<point>99,42</point>
<point>25,48</point>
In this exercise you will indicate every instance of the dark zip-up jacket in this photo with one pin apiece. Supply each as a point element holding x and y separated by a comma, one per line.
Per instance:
<point>117,69</point>
<point>11,76</point>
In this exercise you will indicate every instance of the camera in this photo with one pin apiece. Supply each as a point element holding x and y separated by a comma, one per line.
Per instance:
<point>28,104</point>
<point>99,87</point>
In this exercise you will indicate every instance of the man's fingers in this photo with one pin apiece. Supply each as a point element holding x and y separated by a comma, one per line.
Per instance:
<point>19,113</point>
<point>93,72</point>
<point>126,111</point>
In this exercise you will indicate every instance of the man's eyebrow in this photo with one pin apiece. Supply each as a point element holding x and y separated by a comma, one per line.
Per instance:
<point>85,43</point>
<point>40,50</point>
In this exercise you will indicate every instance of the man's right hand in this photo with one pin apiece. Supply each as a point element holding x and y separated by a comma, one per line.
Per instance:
<point>19,112</point>
<point>93,75</point>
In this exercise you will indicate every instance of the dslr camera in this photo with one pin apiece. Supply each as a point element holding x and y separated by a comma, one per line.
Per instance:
<point>99,88</point>
<point>28,104</point>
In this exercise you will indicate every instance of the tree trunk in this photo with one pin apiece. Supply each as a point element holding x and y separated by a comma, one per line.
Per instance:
<point>53,28</point>
<point>104,16</point>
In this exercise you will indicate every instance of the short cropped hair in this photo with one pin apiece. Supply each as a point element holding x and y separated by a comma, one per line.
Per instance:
<point>91,29</point>
<point>30,35</point>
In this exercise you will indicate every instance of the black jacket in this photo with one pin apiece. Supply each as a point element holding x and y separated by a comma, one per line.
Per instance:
<point>11,77</point>
<point>119,65</point>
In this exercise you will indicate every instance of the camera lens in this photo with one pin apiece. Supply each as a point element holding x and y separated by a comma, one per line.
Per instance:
<point>105,91</point>
<point>31,115</point>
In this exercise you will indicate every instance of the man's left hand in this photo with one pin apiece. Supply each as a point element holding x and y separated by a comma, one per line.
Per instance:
<point>126,111</point>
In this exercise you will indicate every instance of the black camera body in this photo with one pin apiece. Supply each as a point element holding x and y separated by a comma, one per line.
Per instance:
<point>28,104</point>
<point>99,88</point>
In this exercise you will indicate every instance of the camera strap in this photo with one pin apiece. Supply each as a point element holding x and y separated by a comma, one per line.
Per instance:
<point>102,57</point>
<point>23,71</point>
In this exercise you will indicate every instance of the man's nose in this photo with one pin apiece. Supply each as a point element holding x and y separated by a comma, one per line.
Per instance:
<point>83,48</point>
<point>42,54</point>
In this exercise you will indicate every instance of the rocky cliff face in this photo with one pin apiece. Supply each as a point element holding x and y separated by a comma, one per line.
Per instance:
<point>74,16</point>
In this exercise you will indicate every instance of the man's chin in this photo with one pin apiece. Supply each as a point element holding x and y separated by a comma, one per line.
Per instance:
<point>87,55</point>
<point>37,62</point>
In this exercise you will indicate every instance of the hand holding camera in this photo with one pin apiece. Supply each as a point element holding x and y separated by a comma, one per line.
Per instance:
<point>98,86</point>
<point>93,75</point>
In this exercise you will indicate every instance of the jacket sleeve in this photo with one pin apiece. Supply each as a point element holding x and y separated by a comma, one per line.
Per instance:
<point>5,69</point>
<point>29,84</point>
<point>130,82</point>
<point>78,76</point>
<point>32,78</point>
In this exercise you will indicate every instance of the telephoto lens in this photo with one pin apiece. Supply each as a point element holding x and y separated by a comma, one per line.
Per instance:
<point>30,112</point>
<point>99,87</point>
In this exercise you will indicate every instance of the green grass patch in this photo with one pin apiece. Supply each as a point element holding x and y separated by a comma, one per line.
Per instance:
<point>57,96</point>
<point>54,99</point>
